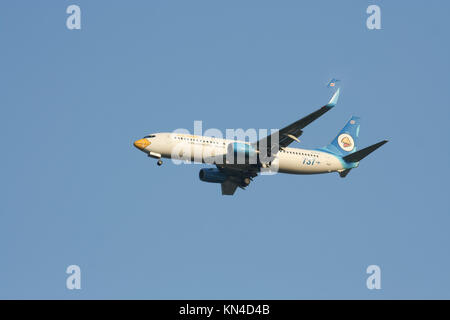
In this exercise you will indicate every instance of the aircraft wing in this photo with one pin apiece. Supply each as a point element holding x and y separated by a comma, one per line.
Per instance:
<point>237,176</point>
<point>285,136</point>
<point>229,187</point>
<point>240,175</point>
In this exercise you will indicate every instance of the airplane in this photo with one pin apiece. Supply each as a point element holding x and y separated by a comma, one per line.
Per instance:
<point>272,151</point>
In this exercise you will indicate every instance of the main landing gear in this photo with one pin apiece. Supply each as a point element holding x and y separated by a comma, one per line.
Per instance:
<point>159,162</point>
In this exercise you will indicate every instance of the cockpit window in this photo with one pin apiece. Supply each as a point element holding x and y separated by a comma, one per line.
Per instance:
<point>149,136</point>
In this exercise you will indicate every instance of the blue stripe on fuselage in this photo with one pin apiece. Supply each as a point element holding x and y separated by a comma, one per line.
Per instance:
<point>345,164</point>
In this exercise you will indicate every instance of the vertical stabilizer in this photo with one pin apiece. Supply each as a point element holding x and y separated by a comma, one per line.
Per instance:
<point>346,141</point>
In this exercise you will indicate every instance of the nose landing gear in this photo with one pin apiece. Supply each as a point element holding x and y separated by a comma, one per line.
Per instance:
<point>155,155</point>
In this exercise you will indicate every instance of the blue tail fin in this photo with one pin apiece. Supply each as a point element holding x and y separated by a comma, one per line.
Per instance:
<point>346,141</point>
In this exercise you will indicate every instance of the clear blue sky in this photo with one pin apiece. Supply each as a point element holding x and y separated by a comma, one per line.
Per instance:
<point>75,191</point>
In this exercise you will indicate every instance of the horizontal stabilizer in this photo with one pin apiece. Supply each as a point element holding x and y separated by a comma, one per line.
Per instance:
<point>361,154</point>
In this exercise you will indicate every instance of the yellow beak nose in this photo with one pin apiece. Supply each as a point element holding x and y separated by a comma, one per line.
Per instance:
<point>141,144</point>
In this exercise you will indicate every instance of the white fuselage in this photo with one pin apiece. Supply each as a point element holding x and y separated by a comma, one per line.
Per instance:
<point>200,148</point>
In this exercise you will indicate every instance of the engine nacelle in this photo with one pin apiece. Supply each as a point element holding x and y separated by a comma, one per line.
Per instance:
<point>212,175</point>
<point>241,153</point>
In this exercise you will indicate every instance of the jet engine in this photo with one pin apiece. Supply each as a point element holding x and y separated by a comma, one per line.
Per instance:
<point>212,175</point>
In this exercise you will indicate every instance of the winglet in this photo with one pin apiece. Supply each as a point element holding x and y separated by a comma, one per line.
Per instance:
<point>334,99</point>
